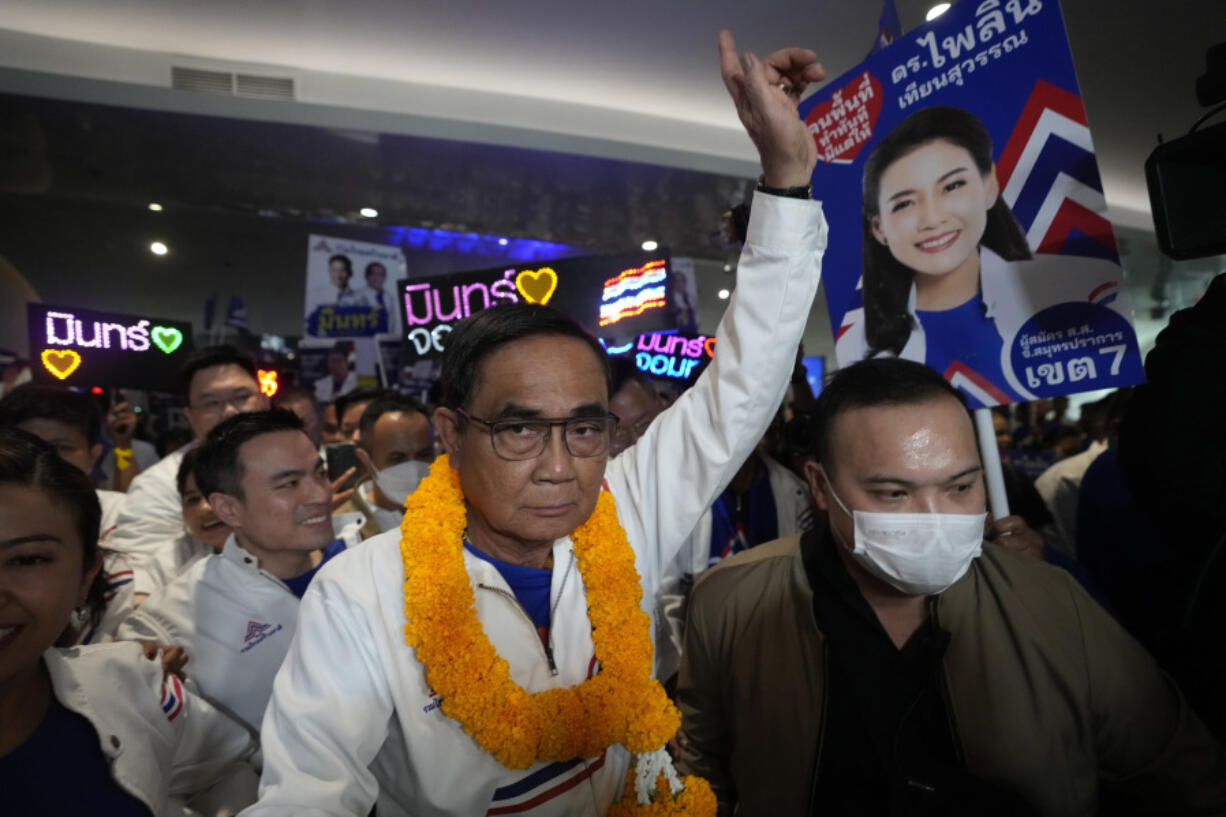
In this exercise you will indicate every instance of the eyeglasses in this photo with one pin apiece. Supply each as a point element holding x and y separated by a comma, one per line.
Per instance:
<point>521,439</point>
<point>214,405</point>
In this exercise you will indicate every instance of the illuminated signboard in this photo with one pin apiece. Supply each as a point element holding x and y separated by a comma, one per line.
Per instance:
<point>81,347</point>
<point>270,382</point>
<point>815,372</point>
<point>673,356</point>
<point>611,295</point>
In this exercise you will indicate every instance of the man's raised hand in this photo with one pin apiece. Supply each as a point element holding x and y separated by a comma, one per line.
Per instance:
<point>766,93</point>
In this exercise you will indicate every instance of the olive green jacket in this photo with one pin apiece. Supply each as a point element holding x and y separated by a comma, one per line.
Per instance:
<point>1050,697</point>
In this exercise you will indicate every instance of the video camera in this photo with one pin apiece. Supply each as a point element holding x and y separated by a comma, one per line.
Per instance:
<point>1187,176</point>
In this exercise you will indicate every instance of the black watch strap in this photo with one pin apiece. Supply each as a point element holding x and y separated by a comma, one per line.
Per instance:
<point>802,192</point>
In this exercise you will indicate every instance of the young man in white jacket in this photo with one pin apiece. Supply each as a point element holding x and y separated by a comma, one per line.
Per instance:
<point>353,721</point>
<point>235,612</point>
<point>219,382</point>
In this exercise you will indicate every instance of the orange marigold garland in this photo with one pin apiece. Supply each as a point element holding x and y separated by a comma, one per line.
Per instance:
<point>621,704</point>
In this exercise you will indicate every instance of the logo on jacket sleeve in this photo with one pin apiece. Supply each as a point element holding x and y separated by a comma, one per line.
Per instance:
<point>257,632</point>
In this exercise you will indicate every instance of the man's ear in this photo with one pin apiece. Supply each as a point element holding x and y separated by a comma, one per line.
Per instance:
<point>229,509</point>
<point>447,426</point>
<point>192,421</point>
<point>818,486</point>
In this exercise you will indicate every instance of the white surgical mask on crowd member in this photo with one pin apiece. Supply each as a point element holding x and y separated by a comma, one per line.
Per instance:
<point>920,554</point>
<point>398,482</point>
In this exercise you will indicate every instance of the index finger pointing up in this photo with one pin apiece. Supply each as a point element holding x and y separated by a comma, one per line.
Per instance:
<point>730,64</point>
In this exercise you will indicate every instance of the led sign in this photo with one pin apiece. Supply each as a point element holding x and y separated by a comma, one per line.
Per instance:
<point>626,294</point>
<point>269,382</point>
<point>633,292</point>
<point>88,348</point>
<point>674,356</point>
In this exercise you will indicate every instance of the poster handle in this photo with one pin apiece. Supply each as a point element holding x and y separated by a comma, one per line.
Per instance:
<point>993,474</point>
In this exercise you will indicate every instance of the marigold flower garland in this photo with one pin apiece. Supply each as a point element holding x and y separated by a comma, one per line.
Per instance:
<point>621,704</point>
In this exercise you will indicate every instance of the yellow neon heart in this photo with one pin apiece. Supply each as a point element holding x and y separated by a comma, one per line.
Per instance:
<point>61,363</point>
<point>537,287</point>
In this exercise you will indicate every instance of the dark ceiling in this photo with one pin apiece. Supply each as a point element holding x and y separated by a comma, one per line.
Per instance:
<point>128,157</point>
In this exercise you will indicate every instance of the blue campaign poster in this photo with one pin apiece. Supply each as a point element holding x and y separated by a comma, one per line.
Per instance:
<point>967,220</point>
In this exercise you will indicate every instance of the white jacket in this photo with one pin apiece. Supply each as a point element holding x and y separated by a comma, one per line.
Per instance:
<point>793,513</point>
<point>1060,488</point>
<point>113,504</point>
<point>352,719</point>
<point>152,518</point>
<point>168,561</point>
<point>1012,292</point>
<point>166,747</point>
<point>117,575</point>
<point>234,620</point>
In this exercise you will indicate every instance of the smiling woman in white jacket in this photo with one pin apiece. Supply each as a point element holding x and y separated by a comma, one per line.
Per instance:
<point>90,730</point>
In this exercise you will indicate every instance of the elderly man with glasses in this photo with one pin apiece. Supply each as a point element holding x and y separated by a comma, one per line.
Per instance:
<point>493,656</point>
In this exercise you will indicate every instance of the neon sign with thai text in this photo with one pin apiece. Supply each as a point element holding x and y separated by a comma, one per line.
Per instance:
<point>86,347</point>
<point>623,291</point>
<point>671,355</point>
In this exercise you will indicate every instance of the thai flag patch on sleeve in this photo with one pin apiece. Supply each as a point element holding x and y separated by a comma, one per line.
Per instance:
<point>172,696</point>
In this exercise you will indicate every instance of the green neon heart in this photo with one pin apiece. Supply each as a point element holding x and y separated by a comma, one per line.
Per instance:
<point>167,338</point>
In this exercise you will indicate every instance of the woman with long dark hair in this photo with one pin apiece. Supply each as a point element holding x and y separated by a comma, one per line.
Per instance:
<point>98,729</point>
<point>948,275</point>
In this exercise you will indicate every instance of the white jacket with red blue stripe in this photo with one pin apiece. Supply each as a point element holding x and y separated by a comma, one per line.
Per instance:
<point>165,747</point>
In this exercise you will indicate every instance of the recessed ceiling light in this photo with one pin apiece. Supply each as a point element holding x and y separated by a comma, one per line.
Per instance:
<point>650,245</point>
<point>936,11</point>
<point>158,248</point>
<point>502,242</point>
<point>727,268</point>
<point>369,212</point>
<point>155,207</point>
<point>724,294</point>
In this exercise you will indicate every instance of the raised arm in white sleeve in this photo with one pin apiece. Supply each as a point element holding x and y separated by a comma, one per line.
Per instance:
<point>690,453</point>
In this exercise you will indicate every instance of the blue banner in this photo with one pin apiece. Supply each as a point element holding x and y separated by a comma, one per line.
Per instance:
<point>967,220</point>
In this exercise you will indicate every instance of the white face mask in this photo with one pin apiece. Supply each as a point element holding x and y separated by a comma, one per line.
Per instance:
<point>401,480</point>
<point>920,554</point>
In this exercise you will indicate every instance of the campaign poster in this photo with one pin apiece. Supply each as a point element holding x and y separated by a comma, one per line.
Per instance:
<point>677,357</point>
<point>610,295</point>
<point>350,288</point>
<point>86,348</point>
<point>351,296</point>
<point>685,294</point>
<point>968,228</point>
<point>415,380</point>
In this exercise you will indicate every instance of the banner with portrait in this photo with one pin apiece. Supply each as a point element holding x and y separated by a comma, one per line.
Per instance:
<point>350,288</point>
<point>967,220</point>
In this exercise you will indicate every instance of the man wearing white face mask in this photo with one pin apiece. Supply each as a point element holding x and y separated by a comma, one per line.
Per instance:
<point>395,447</point>
<point>891,662</point>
